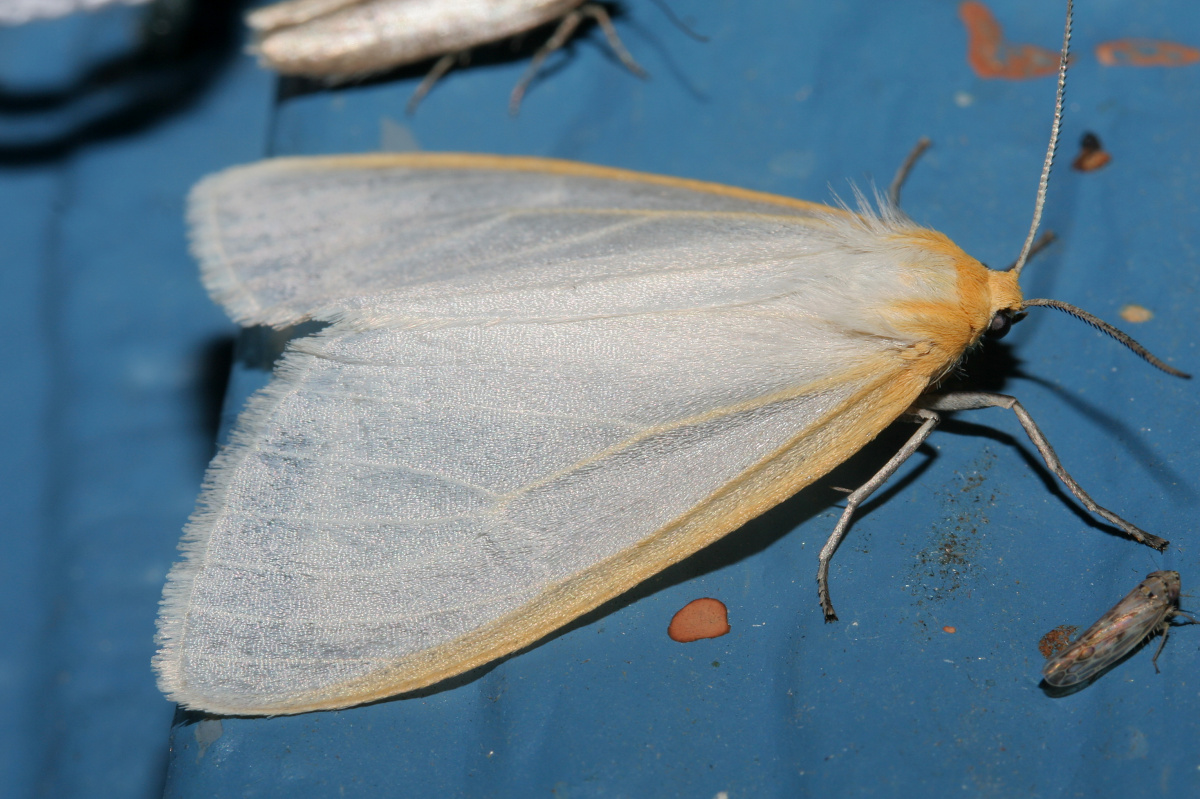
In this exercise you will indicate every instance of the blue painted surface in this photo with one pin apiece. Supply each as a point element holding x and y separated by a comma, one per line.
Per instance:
<point>111,346</point>
<point>972,534</point>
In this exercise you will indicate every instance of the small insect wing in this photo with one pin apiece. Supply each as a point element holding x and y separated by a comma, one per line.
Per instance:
<point>1117,632</point>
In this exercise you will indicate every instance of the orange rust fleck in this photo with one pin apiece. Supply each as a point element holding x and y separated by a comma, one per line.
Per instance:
<point>992,57</point>
<point>700,618</point>
<point>949,629</point>
<point>1136,314</point>
<point>1145,53</point>
<point>1056,640</point>
<point>1090,160</point>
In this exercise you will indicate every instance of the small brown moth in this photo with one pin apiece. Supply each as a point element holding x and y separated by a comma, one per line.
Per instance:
<point>1145,611</point>
<point>345,40</point>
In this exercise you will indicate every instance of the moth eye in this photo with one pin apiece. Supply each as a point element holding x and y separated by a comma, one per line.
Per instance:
<point>999,326</point>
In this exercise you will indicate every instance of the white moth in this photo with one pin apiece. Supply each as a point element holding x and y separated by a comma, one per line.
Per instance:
<point>1145,611</point>
<point>18,12</point>
<point>542,382</point>
<point>343,40</point>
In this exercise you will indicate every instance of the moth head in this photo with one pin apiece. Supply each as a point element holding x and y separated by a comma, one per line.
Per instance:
<point>1010,307</point>
<point>1007,303</point>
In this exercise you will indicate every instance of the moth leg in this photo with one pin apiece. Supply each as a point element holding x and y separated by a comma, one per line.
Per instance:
<point>974,400</point>
<point>893,194</point>
<point>1045,240</point>
<point>561,35</point>
<point>443,65</point>
<point>1166,628</point>
<point>929,420</point>
<point>597,12</point>
<point>923,144</point>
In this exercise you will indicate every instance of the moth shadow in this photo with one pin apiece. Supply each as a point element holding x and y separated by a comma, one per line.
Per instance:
<point>989,368</point>
<point>215,359</point>
<point>1160,471</point>
<point>181,49</point>
<point>992,366</point>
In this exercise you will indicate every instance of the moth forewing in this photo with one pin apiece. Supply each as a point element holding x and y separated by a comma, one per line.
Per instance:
<point>1147,609</point>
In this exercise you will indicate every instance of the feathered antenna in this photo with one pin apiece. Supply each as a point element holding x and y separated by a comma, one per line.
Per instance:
<point>1107,329</point>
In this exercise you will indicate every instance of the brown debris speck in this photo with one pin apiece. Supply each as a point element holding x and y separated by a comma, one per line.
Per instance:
<point>1056,640</point>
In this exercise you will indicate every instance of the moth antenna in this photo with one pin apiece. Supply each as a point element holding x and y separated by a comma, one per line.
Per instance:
<point>1154,566</point>
<point>893,194</point>
<point>1054,131</point>
<point>1105,327</point>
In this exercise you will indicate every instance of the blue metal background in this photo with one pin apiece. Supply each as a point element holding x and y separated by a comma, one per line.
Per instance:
<point>116,341</point>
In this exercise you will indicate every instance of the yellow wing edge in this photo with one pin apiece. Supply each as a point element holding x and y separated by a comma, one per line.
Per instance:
<point>525,163</point>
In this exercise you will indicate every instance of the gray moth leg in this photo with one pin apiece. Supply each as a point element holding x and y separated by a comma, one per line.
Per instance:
<point>929,419</point>
<point>561,35</point>
<point>443,65</point>
<point>893,194</point>
<point>1166,629</point>
<point>926,409</point>
<point>597,12</point>
<point>974,400</point>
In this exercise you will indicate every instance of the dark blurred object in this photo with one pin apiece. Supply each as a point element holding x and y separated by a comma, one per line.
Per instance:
<point>179,47</point>
<point>1091,154</point>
